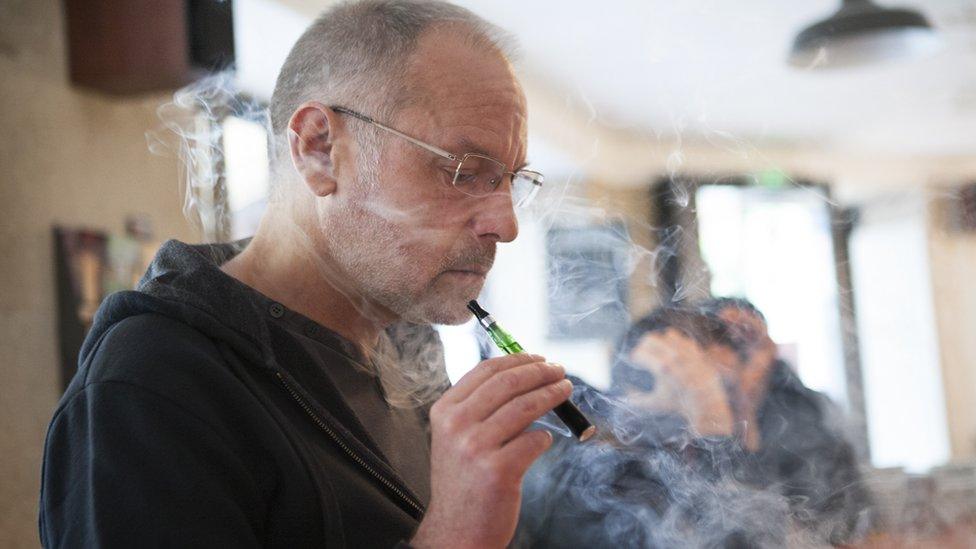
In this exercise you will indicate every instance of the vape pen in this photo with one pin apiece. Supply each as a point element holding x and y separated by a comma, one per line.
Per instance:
<point>567,411</point>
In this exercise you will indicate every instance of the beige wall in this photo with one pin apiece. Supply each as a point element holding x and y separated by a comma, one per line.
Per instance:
<point>70,157</point>
<point>953,257</point>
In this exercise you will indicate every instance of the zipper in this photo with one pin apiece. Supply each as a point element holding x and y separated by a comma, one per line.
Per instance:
<point>349,451</point>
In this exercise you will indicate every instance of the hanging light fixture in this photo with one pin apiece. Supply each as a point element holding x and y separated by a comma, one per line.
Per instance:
<point>861,33</point>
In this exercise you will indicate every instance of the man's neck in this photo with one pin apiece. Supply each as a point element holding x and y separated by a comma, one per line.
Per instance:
<point>285,271</point>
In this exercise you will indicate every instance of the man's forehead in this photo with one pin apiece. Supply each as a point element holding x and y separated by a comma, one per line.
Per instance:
<point>490,122</point>
<point>465,97</point>
<point>455,97</point>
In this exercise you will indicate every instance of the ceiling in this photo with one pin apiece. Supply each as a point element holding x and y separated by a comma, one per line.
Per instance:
<point>707,69</point>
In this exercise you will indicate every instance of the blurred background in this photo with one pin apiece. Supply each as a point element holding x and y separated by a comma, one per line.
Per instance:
<point>690,148</point>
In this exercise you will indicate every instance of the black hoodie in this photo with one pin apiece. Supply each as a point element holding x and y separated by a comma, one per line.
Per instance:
<point>194,421</point>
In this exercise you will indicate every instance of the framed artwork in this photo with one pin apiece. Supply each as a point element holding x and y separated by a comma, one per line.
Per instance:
<point>588,279</point>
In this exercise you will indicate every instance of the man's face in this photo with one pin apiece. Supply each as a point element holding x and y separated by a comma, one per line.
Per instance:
<point>413,244</point>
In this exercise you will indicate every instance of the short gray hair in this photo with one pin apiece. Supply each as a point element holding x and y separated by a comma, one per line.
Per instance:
<point>356,54</point>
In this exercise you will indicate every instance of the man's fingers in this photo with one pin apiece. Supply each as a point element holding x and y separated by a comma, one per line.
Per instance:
<point>516,415</point>
<point>506,385</point>
<point>484,370</point>
<point>522,451</point>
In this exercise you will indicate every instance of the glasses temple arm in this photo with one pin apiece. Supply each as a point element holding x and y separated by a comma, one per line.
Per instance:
<point>436,150</point>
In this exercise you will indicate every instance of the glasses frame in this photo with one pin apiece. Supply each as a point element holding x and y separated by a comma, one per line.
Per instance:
<point>533,177</point>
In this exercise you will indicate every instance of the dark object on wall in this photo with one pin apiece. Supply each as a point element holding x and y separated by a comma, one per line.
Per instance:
<point>211,25</point>
<point>588,282</point>
<point>135,46</point>
<point>960,209</point>
<point>80,264</point>
<point>89,265</point>
<point>682,273</point>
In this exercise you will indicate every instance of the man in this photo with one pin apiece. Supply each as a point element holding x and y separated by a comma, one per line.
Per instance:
<point>728,381</point>
<point>670,471</point>
<point>799,446</point>
<point>715,443</point>
<point>240,400</point>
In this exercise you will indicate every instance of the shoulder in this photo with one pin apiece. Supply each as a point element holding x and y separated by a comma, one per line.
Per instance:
<point>162,356</point>
<point>785,382</point>
<point>153,366</point>
<point>148,344</point>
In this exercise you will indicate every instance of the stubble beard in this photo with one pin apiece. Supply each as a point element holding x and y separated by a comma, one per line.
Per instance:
<point>391,282</point>
<point>366,247</point>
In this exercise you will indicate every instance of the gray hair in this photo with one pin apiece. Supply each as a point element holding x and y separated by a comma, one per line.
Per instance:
<point>355,54</point>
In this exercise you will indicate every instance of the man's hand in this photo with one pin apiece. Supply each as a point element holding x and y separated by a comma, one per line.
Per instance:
<point>480,449</point>
<point>752,377</point>
<point>751,387</point>
<point>688,378</point>
<point>751,334</point>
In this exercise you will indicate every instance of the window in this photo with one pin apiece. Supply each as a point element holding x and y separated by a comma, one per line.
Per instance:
<point>774,247</point>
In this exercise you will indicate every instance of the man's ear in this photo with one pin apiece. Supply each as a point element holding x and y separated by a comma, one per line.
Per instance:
<point>311,135</point>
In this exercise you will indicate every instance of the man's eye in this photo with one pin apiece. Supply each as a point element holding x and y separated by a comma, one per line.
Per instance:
<point>466,177</point>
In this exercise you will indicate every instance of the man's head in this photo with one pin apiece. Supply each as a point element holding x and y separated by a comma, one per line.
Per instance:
<point>629,372</point>
<point>746,323</point>
<point>379,210</point>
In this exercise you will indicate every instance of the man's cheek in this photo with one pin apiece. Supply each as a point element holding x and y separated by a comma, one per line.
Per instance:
<point>417,262</point>
<point>423,239</point>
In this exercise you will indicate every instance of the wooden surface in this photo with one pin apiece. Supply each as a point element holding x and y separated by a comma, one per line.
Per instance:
<point>960,536</point>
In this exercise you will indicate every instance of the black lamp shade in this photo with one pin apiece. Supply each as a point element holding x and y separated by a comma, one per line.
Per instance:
<point>861,32</point>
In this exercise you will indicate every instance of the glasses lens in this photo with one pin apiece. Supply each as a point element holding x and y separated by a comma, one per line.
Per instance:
<point>479,175</point>
<point>525,186</point>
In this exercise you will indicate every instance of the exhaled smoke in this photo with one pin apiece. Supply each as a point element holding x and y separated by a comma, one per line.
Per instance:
<point>411,366</point>
<point>649,480</point>
<point>191,129</point>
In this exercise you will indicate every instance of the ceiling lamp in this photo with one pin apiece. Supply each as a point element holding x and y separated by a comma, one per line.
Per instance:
<point>860,33</point>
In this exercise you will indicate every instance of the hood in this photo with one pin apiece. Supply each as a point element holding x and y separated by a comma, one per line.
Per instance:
<point>184,282</point>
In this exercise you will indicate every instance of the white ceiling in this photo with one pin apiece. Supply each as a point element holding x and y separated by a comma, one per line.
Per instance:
<point>716,68</point>
<point>707,66</point>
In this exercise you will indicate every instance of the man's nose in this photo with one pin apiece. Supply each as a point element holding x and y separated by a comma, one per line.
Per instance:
<point>496,218</point>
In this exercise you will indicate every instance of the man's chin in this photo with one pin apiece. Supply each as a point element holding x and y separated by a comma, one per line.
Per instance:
<point>451,311</point>
<point>440,315</point>
<point>444,302</point>
<point>448,309</point>
<point>453,319</point>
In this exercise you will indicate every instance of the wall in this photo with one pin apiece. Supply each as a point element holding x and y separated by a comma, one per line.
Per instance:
<point>70,157</point>
<point>953,258</point>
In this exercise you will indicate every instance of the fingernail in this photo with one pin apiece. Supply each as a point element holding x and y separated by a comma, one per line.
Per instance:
<point>537,357</point>
<point>558,367</point>
<point>566,385</point>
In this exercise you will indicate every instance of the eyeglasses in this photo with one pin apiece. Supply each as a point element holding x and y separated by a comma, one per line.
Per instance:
<point>475,174</point>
